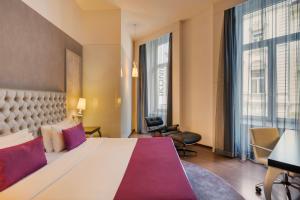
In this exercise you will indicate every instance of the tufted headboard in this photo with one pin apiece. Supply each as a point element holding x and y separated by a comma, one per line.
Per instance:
<point>20,109</point>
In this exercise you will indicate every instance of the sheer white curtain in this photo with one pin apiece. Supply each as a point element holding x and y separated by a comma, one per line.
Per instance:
<point>157,76</point>
<point>268,68</point>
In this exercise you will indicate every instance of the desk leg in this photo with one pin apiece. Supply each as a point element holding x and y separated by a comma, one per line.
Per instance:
<point>270,177</point>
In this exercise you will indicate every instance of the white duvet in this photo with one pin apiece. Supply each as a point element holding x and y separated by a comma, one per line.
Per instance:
<point>93,170</point>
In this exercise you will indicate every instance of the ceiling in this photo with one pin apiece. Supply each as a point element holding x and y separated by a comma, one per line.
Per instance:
<point>148,15</point>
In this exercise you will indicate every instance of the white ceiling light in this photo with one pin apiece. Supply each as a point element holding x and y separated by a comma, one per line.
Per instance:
<point>135,72</point>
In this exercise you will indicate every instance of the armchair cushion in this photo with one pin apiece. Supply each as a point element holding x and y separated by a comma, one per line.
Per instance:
<point>191,138</point>
<point>154,121</point>
<point>186,138</point>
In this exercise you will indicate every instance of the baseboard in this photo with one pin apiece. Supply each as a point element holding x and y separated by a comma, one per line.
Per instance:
<point>205,146</point>
<point>224,153</point>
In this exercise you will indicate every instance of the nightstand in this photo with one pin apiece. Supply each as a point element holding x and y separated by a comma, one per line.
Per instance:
<point>91,130</point>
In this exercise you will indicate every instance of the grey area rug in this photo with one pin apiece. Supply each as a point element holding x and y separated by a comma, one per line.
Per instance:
<point>207,185</point>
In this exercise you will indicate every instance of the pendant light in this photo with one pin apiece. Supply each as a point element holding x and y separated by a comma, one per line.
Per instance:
<point>135,72</point>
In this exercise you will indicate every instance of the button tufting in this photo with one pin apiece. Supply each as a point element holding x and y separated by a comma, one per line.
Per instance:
<point>29,107</point>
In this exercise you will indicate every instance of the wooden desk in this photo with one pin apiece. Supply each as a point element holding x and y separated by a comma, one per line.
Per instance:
<point>284,157</point>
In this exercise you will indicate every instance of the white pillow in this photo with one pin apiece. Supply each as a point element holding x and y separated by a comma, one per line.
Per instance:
<point>57,136</point>
<point>49,132</point>
<point>47,139</point>
<point>17,138</point>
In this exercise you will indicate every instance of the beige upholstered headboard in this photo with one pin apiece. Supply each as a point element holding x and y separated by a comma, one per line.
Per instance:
<point>20,109</point>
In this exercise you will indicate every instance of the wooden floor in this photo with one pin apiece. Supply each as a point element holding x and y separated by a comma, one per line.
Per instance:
<point>242,175</point>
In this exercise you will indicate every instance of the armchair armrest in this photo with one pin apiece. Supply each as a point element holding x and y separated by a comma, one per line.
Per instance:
<point>260,147</point>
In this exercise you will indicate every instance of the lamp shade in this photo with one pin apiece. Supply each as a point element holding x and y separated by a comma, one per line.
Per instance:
<point>135,72</point>
<point>81,104</point>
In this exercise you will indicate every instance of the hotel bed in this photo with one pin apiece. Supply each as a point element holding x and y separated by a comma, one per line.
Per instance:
<point>100,168</point>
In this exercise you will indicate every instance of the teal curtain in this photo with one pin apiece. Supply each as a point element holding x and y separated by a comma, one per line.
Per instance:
<point>170,83</point>
<point>225,140</point>
<point>142,105</point>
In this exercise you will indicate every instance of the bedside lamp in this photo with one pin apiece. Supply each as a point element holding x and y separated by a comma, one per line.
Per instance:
<point>81,105</point>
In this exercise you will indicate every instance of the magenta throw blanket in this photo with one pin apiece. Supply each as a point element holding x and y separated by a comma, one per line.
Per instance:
<point>154,172</point>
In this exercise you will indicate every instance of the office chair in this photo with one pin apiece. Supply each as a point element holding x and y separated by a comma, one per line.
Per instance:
<point>263,142</point>
<point>181,139</point>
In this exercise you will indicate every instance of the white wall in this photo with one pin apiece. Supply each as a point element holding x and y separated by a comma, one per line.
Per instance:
<point>65,14</point>
<point>101,70</point>
<point>102,27</point>
<point>106,47</point>
<point>197,75</point>
<point>126,79</point>
<point>107,50</point>
<point>101,87</point>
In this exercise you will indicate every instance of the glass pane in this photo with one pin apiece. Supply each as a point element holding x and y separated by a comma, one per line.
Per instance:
<point>163,53</point>
<point>162,89</point>
<point>288,64</point>
<point>295,16</point>
<point>255,79</point>
<point>273,21</point>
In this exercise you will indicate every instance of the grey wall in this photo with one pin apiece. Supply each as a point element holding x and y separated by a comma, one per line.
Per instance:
<point>32,50</point>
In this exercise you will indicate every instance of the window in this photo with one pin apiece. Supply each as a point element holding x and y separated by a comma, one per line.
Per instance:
<point>257,81</point>
<point>287,79</point>
<point>162,74</point>
<point>157,76</point>
<point>270,61</point>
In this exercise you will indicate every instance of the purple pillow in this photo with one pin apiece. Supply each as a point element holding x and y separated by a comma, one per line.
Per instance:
<point>74,136</point>
<point>18,161</point>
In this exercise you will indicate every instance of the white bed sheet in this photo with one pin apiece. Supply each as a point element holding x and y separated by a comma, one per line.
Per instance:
<point>93,170</point>
<point>51,157</point>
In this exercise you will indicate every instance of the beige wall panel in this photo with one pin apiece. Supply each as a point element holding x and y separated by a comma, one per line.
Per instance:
<point>101,88</point>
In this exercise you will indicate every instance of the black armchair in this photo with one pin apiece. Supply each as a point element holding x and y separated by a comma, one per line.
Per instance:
<point>156,125</point>
<point>181,139</point>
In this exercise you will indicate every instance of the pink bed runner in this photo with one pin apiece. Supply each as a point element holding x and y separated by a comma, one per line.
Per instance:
<point>154,172</point>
